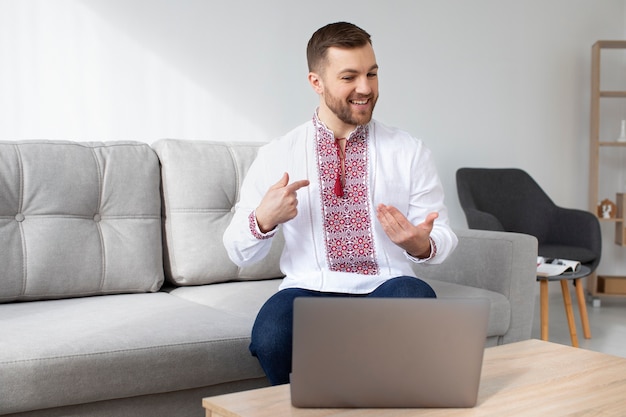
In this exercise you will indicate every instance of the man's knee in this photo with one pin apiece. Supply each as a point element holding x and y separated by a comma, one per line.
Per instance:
<point>273,323</point>
<point>272,333</point>
<point>405,286</point>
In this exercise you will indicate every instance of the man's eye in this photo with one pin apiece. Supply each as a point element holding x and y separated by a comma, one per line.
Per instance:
<point>372,75</point>
<point>347,78</point>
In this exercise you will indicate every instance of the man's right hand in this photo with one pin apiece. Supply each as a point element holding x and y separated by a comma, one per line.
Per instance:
<point>279,204</point>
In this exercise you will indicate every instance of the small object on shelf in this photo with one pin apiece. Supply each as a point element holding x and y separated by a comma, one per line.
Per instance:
<point>622,134</point>
<point>607,209</point>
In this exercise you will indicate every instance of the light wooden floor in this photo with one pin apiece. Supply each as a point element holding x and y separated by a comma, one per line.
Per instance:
<point>607,322</point>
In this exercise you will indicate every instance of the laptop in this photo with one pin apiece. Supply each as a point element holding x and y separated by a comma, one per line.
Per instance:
<point>387,352</point>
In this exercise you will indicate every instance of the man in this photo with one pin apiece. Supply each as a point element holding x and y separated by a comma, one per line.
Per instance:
<point>365,201</point>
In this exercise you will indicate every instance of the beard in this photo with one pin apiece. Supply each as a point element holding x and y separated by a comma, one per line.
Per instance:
<point>346,111</point>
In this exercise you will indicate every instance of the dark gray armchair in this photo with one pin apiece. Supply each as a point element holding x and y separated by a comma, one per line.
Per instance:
<point>510,200</point>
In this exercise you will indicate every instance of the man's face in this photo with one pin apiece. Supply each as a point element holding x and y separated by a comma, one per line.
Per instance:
<point>348,87</point>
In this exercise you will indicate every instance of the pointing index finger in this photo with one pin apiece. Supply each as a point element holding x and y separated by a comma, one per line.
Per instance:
<point>296,185</point>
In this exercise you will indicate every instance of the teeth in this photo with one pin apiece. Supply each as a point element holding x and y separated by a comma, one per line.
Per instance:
<point>359,102</point>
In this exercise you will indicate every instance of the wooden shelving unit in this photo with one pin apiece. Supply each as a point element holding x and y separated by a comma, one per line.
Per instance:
<point>604,285</point>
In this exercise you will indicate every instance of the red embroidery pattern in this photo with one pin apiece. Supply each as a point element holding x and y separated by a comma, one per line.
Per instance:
<point>253,229</point>
<point>433,252</point>
<point>347,223</point>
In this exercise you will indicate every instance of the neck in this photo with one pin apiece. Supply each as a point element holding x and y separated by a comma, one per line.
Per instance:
<point>334,124</point>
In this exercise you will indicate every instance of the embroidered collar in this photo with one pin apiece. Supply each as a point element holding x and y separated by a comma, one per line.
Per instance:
<point>320,127</point>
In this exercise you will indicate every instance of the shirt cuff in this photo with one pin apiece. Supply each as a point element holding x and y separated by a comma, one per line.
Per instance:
<point>433,253</point>
<point>256,231</point>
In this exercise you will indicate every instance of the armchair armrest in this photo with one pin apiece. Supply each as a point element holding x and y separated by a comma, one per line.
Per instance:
<point>482,220</point>
<point>573,227</point>
<point>502,262</point>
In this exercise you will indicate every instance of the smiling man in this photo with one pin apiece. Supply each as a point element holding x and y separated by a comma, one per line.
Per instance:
<point>357,201</point>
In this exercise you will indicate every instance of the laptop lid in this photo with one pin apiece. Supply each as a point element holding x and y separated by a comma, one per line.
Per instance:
<point>387,352</point>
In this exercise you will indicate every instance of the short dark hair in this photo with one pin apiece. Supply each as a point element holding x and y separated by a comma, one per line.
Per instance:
<point>340,35</point>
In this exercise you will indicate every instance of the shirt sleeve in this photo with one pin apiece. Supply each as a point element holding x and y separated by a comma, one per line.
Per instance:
<point>256,230</point>
<point>243,239</point>
<point>427,196</point>
<point>433,253</point>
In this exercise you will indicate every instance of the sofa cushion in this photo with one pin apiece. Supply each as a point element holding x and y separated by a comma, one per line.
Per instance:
<point>201,181</point>
<point>78,219</point>
<point>246,299</point>
<point>61,352</point>
<point>243,299</point>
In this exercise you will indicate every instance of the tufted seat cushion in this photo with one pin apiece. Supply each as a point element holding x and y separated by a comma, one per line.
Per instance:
<point>78,219</point>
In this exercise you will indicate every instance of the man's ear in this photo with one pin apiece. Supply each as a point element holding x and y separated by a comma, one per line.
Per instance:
<point>316,82</point>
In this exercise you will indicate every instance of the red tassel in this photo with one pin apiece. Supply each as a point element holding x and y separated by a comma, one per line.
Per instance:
<point>339,183</point>
<point>338,187</point>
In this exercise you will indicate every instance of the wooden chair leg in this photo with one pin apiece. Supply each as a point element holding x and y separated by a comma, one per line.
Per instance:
<point>582,306</point>
<point>544,305</point>
<point>567,300</point>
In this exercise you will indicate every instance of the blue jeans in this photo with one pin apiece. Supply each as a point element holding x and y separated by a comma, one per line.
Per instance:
<point>272,333</point>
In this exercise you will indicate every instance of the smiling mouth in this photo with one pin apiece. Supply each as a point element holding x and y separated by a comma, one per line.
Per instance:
<point>359,102</point>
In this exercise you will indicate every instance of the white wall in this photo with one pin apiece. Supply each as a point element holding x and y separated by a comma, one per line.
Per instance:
<point>494,83</point>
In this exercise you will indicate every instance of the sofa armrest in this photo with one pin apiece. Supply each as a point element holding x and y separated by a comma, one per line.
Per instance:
<point>502,262</point>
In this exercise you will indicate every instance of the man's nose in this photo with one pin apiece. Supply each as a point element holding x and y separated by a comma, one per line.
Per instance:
<point>364,86</point>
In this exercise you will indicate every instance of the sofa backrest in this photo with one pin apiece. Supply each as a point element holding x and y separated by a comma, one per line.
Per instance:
<point>78,219</point>
<point>201,182</point>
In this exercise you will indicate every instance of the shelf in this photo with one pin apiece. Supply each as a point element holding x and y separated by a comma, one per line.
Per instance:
<point>604,285</point>
<point>612,143</point>
<point>611,285</point>
<point>610,220</point>
<point>611,44</point>
<point>613,94</point>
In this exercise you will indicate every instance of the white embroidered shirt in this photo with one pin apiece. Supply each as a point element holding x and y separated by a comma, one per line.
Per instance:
<point>335,243</point>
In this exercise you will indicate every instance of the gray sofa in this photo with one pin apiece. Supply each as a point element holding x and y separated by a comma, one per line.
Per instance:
<point>118,299</point>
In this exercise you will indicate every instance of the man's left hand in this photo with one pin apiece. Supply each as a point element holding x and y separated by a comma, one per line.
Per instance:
<point>413,239</point>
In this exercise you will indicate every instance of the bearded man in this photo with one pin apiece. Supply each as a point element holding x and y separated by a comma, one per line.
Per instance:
<point>364,204</point>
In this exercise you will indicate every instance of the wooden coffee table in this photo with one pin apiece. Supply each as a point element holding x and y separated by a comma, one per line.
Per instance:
<point>529,378</point>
